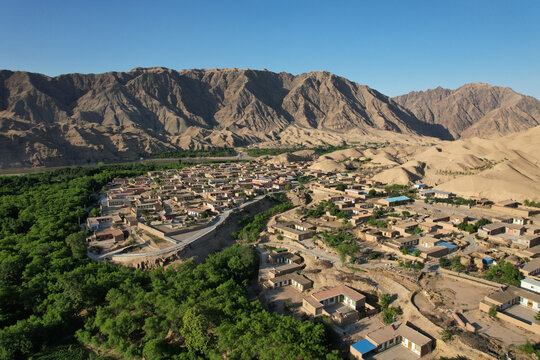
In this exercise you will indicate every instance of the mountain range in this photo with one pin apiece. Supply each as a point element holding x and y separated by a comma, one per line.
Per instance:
<point>77,118</point>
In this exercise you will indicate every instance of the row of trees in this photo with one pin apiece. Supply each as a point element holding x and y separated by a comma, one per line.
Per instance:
<point>473,227</point>
<point>212,152</point>
<point>277,151</point>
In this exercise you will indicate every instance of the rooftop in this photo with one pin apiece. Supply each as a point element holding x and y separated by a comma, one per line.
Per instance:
<point>532,265</point>
<point>363,346</point>
<point>397,198</point>
<point>397,329</point>
<point>339,290</point>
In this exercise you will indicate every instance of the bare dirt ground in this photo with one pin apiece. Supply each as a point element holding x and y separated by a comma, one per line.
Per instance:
<point>442,295</point>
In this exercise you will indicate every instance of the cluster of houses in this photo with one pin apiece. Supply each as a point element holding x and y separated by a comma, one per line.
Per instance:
<point>167,202</point>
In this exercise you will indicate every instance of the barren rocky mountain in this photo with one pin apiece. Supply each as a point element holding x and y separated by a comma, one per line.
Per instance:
<point>474,110</point>
<point>77,118</point>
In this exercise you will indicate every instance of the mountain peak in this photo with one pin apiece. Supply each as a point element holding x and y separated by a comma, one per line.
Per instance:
<point>474,109</point>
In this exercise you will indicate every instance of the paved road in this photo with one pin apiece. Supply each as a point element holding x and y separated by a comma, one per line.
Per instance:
<point>194,237</point>
<point>473,245</point>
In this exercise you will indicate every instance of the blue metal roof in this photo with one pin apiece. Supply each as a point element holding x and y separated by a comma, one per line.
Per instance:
<point>364,346</point>
<point>487,260</point>
<point>445,244</point>
<point>397,198</point>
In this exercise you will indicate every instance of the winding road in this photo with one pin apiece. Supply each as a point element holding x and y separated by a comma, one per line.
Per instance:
<point>196,235</point>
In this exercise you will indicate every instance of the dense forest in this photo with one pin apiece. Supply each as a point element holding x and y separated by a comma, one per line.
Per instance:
<point>55,303</point>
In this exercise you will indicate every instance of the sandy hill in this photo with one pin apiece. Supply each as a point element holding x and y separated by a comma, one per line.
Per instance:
<point>507,167</point>
<point>474,110</point>
<point>302,155</point>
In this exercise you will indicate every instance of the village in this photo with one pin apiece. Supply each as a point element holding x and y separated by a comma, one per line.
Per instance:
<point>396,271</point>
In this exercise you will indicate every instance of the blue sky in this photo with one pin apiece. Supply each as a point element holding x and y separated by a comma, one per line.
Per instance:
<point>392,46</point>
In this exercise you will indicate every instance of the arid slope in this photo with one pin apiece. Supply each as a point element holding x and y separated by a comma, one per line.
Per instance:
<point>474,110</point>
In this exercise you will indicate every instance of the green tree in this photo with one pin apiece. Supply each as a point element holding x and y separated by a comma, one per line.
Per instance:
<point>504,272</point>
<point>405,250</point>
<point>195,331</point>
<point>385,299</point>
<point>456,264</point>
<point>389,314</point>
<point>443,262</point>
<point>77,243</point>
<point>446,335</point>
<point>493,311</point>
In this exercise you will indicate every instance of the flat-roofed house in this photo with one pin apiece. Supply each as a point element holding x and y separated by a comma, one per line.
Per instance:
<point>109,234</point>
<point>408,241</point>
<point>457,219</point>
<point>196,213</point>
<point>389,336</point>
<point>506,298</point>
<point>283,257</point>
<point>312,306</point>
<point>284,269</point>
<point>531,285</point>
<point>436,194</point>
<point>514,208</point>
<point>343,304</point>
<point>428,227</point>
<point>389,233</point>
<point>428,241</point>
<point>294,230</point>
<point>395,201</point>
<point>299,282</point>
<point>360,218</point>
<point>372,235</point>
<point>531,268</point>
<point>102,222</point>
<point>532,252</point>
<point>514,229</point>
<point>404,227</point>
<point>527,240</point>
<point>492,229</point>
